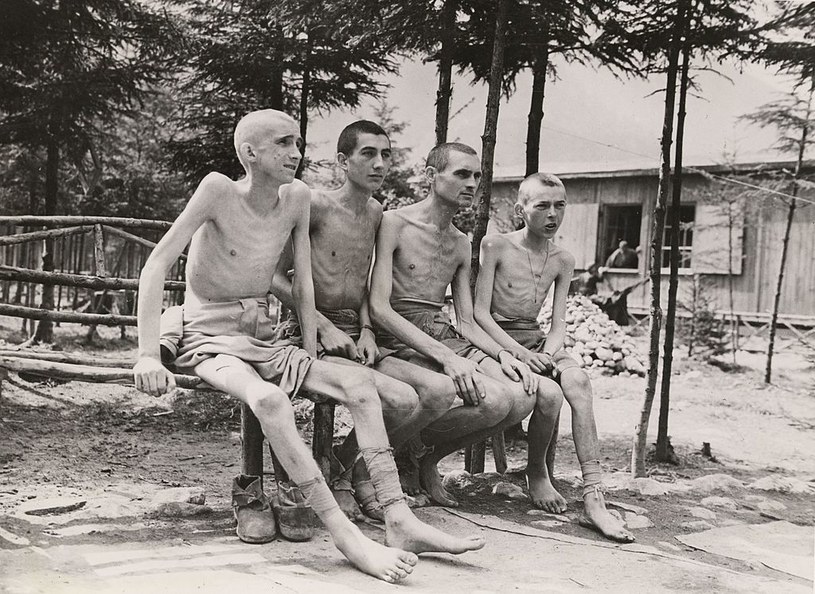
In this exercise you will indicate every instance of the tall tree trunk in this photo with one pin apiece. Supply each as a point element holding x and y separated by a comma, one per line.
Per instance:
<point>662,453</point>
<point>489,137</point>
<point>535,119</point>
<point>276,91</point>
<point>768,371</point>
<point>276,99</point>
<point>305,92</point>
<point>657,227</point>
<point>734,333</point>
<point>445,90</point>
<point>45,328</point>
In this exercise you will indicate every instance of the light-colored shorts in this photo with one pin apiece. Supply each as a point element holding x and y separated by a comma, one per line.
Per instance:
<point>242,329</point>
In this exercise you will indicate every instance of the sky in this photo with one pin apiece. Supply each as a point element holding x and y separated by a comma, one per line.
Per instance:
<point>585,111</point>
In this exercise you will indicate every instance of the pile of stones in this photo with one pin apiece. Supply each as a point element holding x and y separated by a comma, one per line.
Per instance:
<point>593,340</point>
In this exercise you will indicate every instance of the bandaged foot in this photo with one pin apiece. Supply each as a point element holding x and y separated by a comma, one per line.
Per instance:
<point>431,483</point>
<point>365,493</point>
<point>402,529</point>
<point>382,562</point>
<point>543,493</point>
<point>595,514</point>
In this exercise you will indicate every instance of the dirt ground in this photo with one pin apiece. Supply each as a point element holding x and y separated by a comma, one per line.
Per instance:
<point>74,439</point>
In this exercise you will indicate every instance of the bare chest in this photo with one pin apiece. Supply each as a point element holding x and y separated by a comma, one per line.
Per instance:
<point>235,255</point>
<point>425,262</point>
<point>343,244</point>
<point>522,283</point>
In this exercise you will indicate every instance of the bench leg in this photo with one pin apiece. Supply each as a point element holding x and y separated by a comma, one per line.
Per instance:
<point>323,437</point>
<point>499,452</point>
<point>474,457</point>
<point>251,443</point>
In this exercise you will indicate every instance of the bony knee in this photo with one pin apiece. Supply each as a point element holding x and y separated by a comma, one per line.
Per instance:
<point>404,399</point>
<point>268,401</point>
<point>549,397</point>
<point>577,382</point>
<point>360,389</point>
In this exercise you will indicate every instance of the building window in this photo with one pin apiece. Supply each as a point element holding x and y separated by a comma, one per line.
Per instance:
<point>687,216</point>
<point>620,236</point>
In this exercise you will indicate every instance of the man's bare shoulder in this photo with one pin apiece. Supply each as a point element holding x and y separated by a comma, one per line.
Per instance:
<point>375,209</point>
<point>461,239</point>
<point>214,194</point>
<point>297,195</point>
<point>215,185</point>
<point>321,203</point>
<point>563,255</point>
<point>320,197</point>
<point>394,219</point>
<point>496,244</point>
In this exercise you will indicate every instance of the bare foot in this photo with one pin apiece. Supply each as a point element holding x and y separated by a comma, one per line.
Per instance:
<point>406,531</point>
<point>598,518</point>
<point>348,505</point>
<point>543,493</point>
<point>386,563</point>
<point>431,481</point>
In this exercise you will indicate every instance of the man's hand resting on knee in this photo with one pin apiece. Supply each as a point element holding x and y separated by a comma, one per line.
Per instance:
<point>518,371</point>
<point>464,374</point>
<point>151,377</point>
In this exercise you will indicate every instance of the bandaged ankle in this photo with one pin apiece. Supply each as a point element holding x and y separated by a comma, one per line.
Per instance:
<point>592,477</point>
<point>385,478</point>
<point>318,496</point>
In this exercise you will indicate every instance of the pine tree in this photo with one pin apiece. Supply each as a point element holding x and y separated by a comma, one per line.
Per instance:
<point>68,67</point>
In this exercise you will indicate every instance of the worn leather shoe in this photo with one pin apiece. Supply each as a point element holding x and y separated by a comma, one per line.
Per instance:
<point>256,522</point>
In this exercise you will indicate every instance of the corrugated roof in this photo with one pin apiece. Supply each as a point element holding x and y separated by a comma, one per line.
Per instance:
<point>623,169</point>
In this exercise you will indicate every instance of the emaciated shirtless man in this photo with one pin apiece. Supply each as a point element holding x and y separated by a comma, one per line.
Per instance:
<point>517,271</point>
<point>236,232</point>
<point>343,230</point>
<point>419,253</point>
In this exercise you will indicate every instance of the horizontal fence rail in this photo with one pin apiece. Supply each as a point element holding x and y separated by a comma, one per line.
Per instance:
<point>59,221</point>
<point>79,280</point>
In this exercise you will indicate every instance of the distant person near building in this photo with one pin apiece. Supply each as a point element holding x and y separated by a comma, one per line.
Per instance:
<point>587,281</point>
<point>623,257</point>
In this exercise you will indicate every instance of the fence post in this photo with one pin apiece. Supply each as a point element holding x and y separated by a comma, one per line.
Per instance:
<point>100,270</point>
